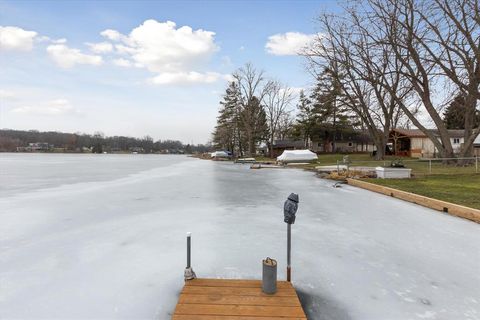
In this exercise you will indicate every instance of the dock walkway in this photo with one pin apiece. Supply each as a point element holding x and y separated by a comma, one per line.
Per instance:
<point>227,299</point>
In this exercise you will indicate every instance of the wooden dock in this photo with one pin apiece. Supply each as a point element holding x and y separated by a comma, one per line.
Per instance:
<point>225,299</point>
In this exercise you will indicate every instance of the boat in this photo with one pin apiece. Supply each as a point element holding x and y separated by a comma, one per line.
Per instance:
<point>295,156</point>
<point>245,160</point>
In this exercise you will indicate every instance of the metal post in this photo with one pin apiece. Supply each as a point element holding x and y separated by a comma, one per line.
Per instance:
<point>338,167</point>
<point>189,245</point>
<point>189,274</point>
<point>430,166</point>
<point>289,249</point>
<point>476,164</point>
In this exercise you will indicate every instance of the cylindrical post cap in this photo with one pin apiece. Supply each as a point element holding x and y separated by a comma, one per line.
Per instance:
<point>293,197</point>
<point>189,234</point>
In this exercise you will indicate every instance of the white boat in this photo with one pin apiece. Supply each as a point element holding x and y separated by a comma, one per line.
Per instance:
<point>289,156</point>
<point>220,154</point>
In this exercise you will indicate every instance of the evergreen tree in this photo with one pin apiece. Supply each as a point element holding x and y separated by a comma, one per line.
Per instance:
<point>331,115</point>
<point>454,115</point>
<point>306,118</point>
<point>227,135</point>
<point>253,123</point>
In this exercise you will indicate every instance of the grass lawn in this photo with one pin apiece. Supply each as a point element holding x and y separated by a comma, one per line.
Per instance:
<point>457,188</point>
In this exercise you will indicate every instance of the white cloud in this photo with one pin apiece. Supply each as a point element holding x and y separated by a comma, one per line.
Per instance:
<point>67,57</point>
<point>5,94</point>
<point>122,62</point>
<point>101,47</point>
<point>113,35</point>
<point>162,47</point>
<point>53,107</point>
<point>59,41</point>
<point>18,39</point>
<point>48,39</point>
<point>191,77</point>
<point>287,44</point>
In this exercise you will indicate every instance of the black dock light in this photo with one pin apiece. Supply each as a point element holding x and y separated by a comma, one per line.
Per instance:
<point>289,210</point>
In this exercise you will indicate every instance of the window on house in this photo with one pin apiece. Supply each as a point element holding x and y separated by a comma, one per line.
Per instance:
<point>349,144</point>
<point>456,140</point>
<point>319,144</point>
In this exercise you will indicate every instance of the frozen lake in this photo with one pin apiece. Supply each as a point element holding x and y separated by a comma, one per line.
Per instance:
<point>103,236</point>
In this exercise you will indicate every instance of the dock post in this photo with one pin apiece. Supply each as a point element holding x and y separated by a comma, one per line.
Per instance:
<point>189,245</point>
<point>289,210</point>
<point>289,251</point>
<point>189,274</point>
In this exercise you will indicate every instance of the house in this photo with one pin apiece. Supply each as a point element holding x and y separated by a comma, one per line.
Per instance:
<point>35,147</point>
<point>281,145</point>
<point>345,141</point>
<point>415,143</point>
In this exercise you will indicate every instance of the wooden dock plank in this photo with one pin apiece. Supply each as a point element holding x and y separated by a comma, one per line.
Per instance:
<point>238,300</point>
<point>225,299</point>
<point>282,292</point>
<point>236,310</point>
<point>233,283</point>
<point>210,317</point>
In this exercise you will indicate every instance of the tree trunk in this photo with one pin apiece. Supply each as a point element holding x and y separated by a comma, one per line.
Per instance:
<point>251,147</point>
<point>270,147</point>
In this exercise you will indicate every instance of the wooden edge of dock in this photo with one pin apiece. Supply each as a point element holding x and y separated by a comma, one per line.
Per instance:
<point>229,299</point>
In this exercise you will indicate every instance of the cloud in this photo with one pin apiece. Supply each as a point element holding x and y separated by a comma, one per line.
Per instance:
<point>48,39</point>
<point>288,44</point>
<point>4,94</point>
<point>101,47</point>
<point>16,39</point>
<point>111,34</point>
<point>176,54</point>
<point>122,62</point>
<point>53,107</point>
<point>191,77</point>
<point>67,57</point>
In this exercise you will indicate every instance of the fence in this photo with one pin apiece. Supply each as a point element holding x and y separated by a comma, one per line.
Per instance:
<point>420,167</point>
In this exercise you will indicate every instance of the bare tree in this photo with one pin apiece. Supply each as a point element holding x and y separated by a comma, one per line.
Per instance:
<point>253,87</point>
<point>438,44</point>
<point>285,126</point>
<point>277,100</point>
<point>361,68</point>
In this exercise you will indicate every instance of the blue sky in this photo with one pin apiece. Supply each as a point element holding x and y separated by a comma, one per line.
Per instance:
<point>61,69</point>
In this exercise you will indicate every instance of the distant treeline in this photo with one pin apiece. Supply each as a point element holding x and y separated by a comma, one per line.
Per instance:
<point>50,141</point>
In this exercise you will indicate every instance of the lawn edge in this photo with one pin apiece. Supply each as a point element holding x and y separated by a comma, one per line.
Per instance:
<point>439,205</point>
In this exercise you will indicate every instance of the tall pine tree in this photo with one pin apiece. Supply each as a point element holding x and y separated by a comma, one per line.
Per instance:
<point>227,133</point>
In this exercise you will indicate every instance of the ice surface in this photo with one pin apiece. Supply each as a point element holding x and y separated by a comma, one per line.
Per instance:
<point>103,236</point>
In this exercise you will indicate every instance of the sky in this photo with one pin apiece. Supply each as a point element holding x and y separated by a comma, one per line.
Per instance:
<point>136,68</point>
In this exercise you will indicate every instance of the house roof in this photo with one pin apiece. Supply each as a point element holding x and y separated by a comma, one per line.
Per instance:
<point>417,133</point>
<point>288,144</point>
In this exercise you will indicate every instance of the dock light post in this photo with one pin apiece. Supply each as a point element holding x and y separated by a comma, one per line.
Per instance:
<point>189,273</point>
<point>289,210</point>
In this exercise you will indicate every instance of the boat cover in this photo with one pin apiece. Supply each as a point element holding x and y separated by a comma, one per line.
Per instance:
<point>219,154</point>
<point>297,156</point>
